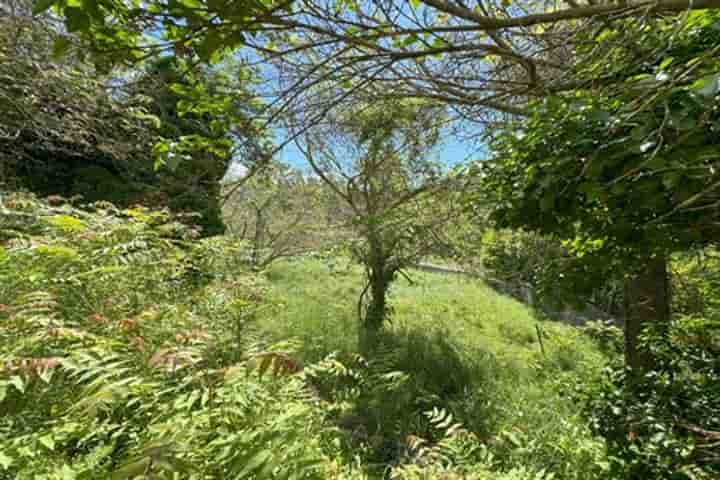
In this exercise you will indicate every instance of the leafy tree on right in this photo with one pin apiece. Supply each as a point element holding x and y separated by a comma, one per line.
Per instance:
<point>627,175</point>
<point>624,174</point>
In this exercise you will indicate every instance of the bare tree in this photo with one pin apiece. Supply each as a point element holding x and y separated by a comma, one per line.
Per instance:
<point>280,213</point>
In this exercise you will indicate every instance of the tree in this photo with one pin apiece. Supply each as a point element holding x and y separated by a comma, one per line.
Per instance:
<point>280,213</point>
<point>206,120</point>
<point>69,129</point>
<point>627,175</point>
<point>478,58</point>
<point>376,159</point>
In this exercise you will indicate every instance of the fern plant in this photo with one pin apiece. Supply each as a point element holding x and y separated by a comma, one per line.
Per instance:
<point>127,352</point>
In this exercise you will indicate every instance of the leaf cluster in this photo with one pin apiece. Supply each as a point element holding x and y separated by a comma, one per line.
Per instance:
<point>126,353</point>
<point>621,171</point>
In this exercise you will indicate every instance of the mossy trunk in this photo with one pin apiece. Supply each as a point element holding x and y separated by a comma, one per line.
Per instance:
<point>647,302</point>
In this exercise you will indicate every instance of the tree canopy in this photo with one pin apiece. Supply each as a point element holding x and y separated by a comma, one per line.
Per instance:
<point>69,129</point>
<point>626,174</point>
<point>494,56</point>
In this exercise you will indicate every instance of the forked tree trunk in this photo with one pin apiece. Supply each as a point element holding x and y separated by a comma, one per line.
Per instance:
<point>647,301</point>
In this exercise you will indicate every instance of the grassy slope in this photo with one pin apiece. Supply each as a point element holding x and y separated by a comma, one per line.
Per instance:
<point>317,302</point>
<point>473,349</point>
<point>134,299</point>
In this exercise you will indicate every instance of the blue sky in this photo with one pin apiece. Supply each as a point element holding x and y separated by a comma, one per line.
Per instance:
<point>453,152</point>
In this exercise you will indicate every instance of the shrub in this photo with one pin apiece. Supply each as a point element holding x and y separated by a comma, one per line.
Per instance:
<point>664,424</point>
<point>548,273</point>
<point>695,282</point>
<point>607,336</point>
<point>126,351</point>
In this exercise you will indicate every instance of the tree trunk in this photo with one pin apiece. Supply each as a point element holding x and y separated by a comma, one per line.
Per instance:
<point>647,301</point>
<point>258,238</point>
<point>378,303</point>
<point>379,283</point>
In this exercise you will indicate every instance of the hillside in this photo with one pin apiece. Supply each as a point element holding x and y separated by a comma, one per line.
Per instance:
<point>131,349</point>
<point>465,347</point>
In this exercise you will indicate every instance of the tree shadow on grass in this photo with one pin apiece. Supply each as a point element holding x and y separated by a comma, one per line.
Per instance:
<point>410,373</point>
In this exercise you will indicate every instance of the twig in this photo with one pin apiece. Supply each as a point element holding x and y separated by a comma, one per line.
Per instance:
<point>539,336</point>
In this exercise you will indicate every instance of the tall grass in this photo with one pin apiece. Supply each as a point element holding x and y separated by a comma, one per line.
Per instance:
<point>130,348</point>
<point>465,347</point>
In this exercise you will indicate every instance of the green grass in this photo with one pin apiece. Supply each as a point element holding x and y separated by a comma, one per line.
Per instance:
<point>168,339</point>
<point>316,301</point>
<point>465,347</point>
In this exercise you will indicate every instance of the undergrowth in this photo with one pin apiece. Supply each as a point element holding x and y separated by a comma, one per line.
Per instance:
<point>126,353</point>
<point>130,348</point>
<point>454,343</point>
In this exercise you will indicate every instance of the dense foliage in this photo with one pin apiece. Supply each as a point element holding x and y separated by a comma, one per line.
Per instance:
<point>69,129</point>
<point>625,175</point>
<point>665,425</point>
<point>541,270</point>
<point>620,171</point>
<point>111,366</point>
<point>59,122</point>
<point>130,348</point>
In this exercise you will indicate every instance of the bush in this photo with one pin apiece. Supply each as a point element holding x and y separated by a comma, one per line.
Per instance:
<point>126,351</point>
<point>606,335</point>
<point>664,424</point>
<point>695,282</point>
<point>546,272</point>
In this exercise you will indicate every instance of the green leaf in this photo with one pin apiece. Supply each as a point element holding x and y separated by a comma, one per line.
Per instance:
<point>604,35</point>
<point>60,47</point>
<point>707,86</point>
<point>211,43</point>
<point>67,473</point>
<point>154,120</point>
<point>76,19</point>
<point>131,469</point>
<point>409,40</point>
<point>5,461</point>
<point>255,463</point>
<point>47,442</point>
<point>41,6</point>
<point>666,63</point>
<point>18,383</point>
<point>439,42</point>
<point>415,4</point>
